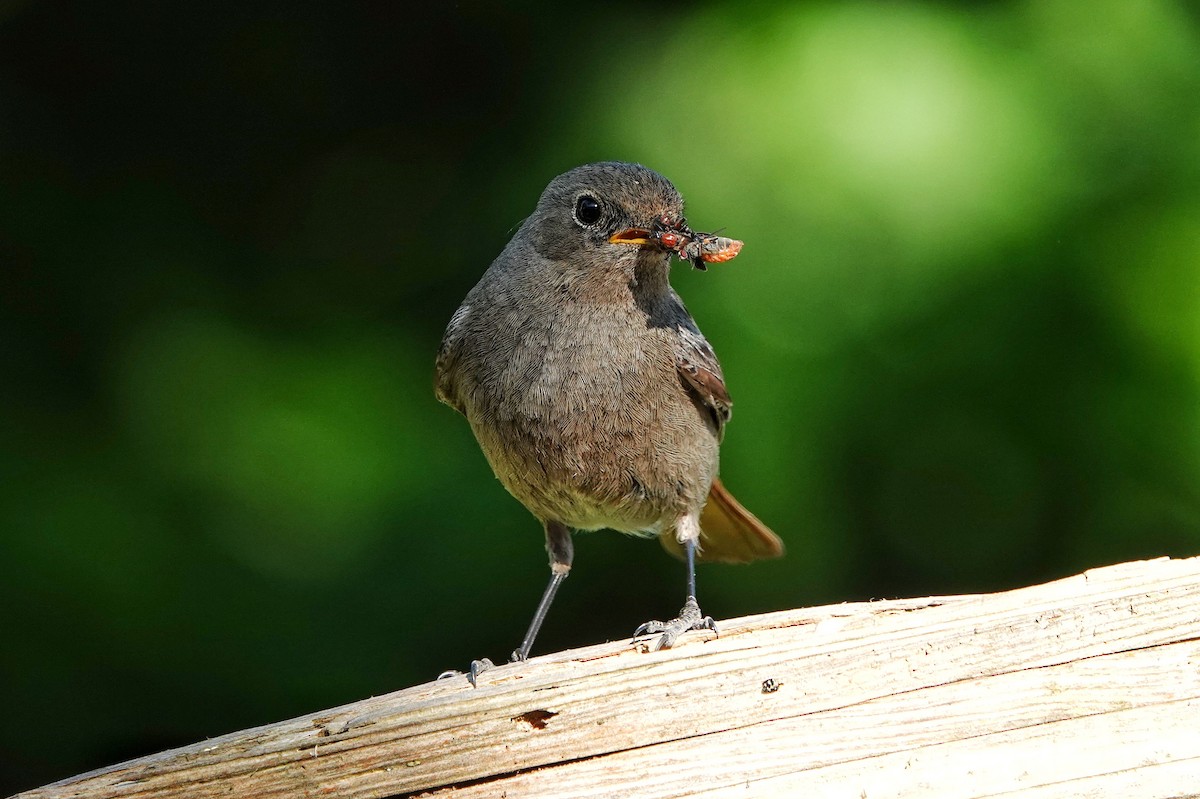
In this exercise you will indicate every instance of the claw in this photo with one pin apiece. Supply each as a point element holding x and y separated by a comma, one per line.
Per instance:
<point>689,619</point>
<point>479,667</point>
<point>649,628</point>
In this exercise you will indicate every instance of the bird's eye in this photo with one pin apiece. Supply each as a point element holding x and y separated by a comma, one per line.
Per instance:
<point>587,210</point>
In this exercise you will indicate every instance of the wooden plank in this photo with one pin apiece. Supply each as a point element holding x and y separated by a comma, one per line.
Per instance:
<point>1065,678</point>
<point>1017,723</point>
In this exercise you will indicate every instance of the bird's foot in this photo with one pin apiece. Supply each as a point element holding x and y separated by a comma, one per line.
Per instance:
<point>477,667</point>
<point>689,618</point>
<point>480,666</point>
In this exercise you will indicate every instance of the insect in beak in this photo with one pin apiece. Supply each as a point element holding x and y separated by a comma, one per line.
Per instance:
<point>700,249</point>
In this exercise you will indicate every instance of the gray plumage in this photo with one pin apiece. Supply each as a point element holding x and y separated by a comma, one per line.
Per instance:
<point>592,393</point>
<point>567,357</point>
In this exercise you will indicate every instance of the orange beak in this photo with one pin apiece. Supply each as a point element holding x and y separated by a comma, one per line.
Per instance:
<point>634,235</point>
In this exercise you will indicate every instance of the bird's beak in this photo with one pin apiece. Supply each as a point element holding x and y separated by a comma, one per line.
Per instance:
<point>635,235</point>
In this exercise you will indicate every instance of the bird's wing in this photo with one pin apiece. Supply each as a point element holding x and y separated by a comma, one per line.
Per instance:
<point>447,359</point>
<point>701,373</point>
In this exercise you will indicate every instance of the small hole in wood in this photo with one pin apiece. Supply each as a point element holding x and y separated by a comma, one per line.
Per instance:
<point>536,718</point>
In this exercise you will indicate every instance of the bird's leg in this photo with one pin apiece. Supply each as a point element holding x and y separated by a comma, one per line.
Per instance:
<point>562,552</point>
<point>689,549</point>
<point>690,617</point>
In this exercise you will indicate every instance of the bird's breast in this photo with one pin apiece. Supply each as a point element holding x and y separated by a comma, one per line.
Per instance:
<point>584,419</point>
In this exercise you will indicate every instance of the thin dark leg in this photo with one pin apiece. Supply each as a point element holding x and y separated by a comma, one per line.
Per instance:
<point>562,552</point>
<point>690,617</point>
<point>690,549</point>
<point>539,615</point>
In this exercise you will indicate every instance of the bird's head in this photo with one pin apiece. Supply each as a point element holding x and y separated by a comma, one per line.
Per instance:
<point>607,214</point>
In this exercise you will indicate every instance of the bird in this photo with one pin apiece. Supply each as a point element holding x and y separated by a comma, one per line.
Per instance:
<point>591,391</point>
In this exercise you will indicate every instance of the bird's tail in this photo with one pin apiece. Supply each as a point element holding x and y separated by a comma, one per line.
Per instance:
<point>728,532</point>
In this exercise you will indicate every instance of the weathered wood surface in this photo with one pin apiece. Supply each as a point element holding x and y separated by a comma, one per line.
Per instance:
<point>1086,686</point>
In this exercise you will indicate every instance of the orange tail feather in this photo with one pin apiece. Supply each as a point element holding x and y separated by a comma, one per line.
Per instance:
<point>728,532</point>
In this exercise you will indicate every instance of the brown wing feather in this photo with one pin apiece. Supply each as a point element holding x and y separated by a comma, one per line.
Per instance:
<point>701,373</point>
<point>728,532</point>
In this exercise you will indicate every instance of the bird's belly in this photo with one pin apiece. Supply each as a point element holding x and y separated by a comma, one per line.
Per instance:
<point>594,459</point>
<point>593,431</point>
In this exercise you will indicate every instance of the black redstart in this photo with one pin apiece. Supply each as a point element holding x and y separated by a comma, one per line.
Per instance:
<point>594,396</point>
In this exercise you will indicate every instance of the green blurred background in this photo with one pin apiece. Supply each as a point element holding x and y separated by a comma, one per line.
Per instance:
<point>963,337</point>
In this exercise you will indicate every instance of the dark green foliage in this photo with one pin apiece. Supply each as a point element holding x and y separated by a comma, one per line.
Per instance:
<point>963,338</point>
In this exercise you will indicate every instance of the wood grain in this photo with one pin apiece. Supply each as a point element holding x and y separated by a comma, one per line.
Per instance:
<point>1086,686</point>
